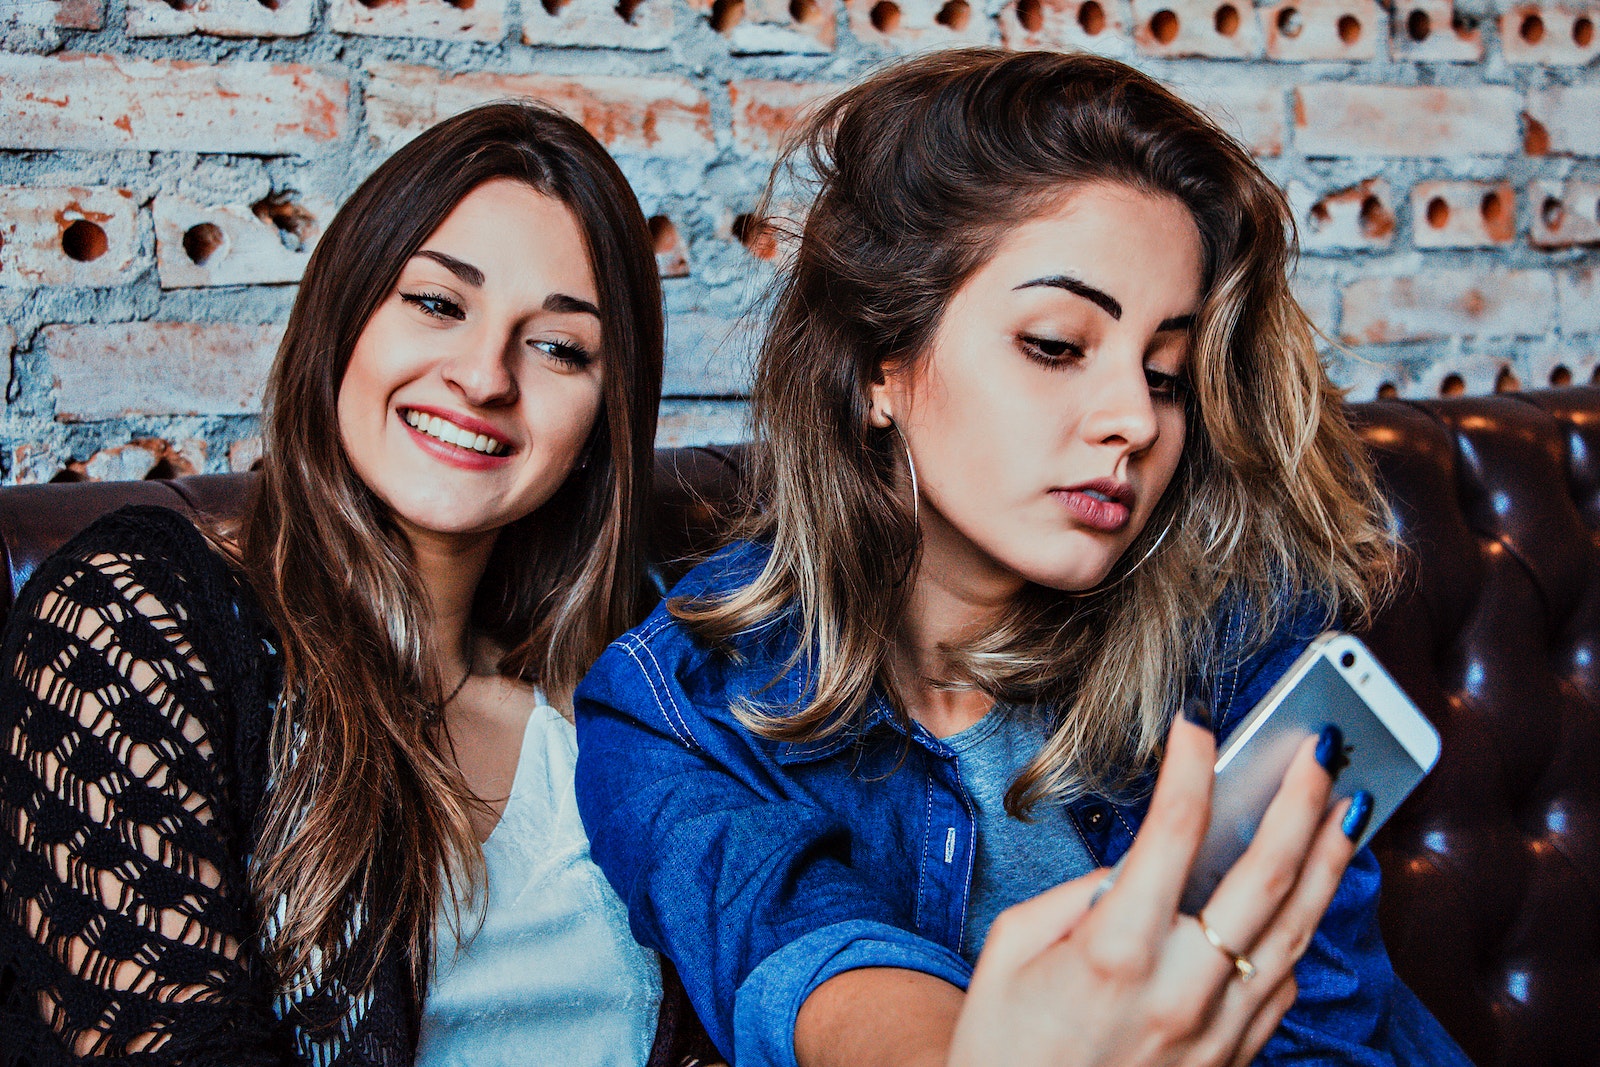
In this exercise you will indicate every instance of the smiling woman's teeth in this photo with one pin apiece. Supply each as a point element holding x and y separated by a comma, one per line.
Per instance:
<point>450,433</point>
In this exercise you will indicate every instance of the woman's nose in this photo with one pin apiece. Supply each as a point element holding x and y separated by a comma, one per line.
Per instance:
<point>482,371</point>
<point>1120,409</point>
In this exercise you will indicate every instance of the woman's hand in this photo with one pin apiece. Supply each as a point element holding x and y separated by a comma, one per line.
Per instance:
<point>1129,980</point>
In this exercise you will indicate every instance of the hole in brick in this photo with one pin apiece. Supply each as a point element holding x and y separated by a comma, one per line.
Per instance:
<point>1227,20</point>
<point>83,241</point>
<point>1453,385</point>
<point>270,5</point>
<point>805,12</point>
<point>1349,29</point>
<point>551,7</point>
<point>955,15</point>
<point>1418,25</point>
<point>1560,376</point>
<point>1091,17</point>
<point>726,14</point>
<point>1594,379</point>
<point>1164,26</point>
<point>1388,391</point>
<point>1535,138</point>
<point>1377,221</point>
<point>179,5</point>
<point>755,236</point>
<point>626,9</point>
<point>663,234</point>
<point>201,242</point>
<point>460,5</point>
<point>1319,217</point>
<point>1496,211</point>
<point>72,473</point>
<point>296,226</point>
<point>885,16</point>
<point>1464,25</point>
<point>1583,32</point>
<point>1552,213</point>
<point>1438,213</point>
<point>1030,13</point>
<point>1532,29</point>
<point>1506,381</point>
<point>1289,22</point>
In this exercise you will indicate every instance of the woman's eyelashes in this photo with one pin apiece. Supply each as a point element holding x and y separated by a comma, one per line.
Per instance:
<point>1166,386</point>
<point>434,305</point>
<point>566,353</point>
<point>1049,351</point>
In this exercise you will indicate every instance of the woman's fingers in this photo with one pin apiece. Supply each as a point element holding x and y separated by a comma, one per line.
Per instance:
<point>1141,906</point>
<point>1023,931</point>
<point>1267,1017</point>
<point>1254,889</point>
<point>1286,939</point>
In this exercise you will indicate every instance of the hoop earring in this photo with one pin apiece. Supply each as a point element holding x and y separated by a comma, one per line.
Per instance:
<point>1129,572</point>
<point>911,464</point>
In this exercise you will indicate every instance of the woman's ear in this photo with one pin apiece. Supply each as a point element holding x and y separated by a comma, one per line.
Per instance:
<point>881,413</point>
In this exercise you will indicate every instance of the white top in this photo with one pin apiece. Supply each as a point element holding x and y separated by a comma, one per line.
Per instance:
<point>553,976</point>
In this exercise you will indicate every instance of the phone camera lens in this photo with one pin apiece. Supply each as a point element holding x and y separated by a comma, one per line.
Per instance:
<point>1348,660</point>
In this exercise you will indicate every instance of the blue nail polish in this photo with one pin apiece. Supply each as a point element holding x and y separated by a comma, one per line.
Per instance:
<point>1196,711</point>
<point>1357,817</point>
<point>1330,749</point>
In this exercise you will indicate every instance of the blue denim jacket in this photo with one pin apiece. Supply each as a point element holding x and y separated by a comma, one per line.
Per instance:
<point>764,868</point>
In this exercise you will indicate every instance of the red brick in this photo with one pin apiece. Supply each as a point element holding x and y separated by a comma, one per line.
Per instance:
<point>220,18</point>
<point>1564,214</point>
<point>1578,295</point>
<point>1299,30</point>
<point>1447,303</point>
<point>73,236</point>
<point>1552,34</point>
<point>1216,29</point>
<point>1253,114</point>
<point>101,103</point>
<point>1431,31</point>
<point>656,116</point>
<point>907,25</point>
<point>234,244</point>
<point>1460,214</point>
<point>79,14</point>
<point>472,20</point>
<point>1066,25</point>
<point>1388,120</point>
<point>1359,218</point>
<point>1566,114</point>
<point>754,27</point>
<point>765,111</point>
<point>158,368</point>
<point>647,25</point>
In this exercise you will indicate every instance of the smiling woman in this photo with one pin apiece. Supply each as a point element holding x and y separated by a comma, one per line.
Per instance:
<point>300,792</point>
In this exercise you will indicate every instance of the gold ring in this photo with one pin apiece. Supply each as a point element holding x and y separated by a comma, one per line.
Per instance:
<point>1242,964</point>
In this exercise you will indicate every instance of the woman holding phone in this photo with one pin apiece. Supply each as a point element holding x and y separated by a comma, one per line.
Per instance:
<point>300,791</point>
<point>1045,455</point>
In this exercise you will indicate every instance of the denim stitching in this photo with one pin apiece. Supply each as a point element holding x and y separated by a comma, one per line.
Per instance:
<point>693,742</point>
<point>922,861</point>
<point>627,646</point>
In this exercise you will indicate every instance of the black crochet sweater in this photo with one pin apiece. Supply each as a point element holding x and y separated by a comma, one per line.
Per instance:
<point>137,684</point>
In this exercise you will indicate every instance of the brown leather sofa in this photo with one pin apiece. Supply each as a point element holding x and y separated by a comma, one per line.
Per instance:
<point>1491,904</point>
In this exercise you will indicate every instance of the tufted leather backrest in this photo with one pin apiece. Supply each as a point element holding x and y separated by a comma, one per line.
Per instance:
<point>1491,902</point>
<point>1491,899</point>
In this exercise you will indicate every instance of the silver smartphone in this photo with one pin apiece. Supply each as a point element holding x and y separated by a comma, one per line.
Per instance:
<point>1388,747</point>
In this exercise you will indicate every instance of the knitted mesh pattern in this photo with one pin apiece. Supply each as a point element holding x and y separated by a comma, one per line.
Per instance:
<point>136,684</point>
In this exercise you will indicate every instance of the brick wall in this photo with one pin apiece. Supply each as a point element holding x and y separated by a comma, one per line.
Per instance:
<point>166,166</point>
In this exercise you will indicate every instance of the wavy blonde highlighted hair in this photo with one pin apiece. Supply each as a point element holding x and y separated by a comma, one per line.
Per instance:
<point>919,173</point>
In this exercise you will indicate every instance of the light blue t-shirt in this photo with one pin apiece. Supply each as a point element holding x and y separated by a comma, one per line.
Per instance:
<point>1014,860</point>
<point>553,976</point>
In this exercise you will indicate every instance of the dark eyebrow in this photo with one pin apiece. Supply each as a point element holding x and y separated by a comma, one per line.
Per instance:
<point>569,305</point>
<point>1105,301</point>
<point>1177,322</point>
<point>465,271</point>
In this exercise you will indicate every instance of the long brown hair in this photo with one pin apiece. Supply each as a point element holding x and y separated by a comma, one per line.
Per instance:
<point>366,822</point>
<point>919,173</point>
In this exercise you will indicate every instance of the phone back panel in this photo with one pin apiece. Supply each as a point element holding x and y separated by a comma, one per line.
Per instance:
<point>1251,766</point>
